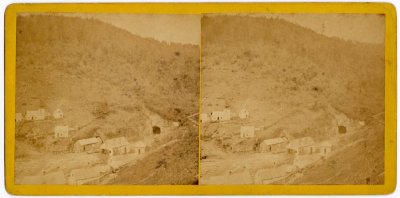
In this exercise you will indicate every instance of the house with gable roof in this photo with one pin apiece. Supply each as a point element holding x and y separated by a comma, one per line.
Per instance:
<point>87,145</point>
<point>301,146</point>
<point>273,145</point>
<point>138,147</point>
<point>116,146</point>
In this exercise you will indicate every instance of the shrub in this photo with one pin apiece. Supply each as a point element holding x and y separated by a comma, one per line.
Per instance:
<point>101,110</point>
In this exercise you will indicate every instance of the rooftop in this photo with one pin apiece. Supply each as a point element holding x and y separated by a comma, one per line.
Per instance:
<point>139,144</point>
<point>93,140</point>
<point>274,141</point>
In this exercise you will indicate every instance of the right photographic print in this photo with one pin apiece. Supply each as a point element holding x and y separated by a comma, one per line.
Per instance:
<point>292,99</point>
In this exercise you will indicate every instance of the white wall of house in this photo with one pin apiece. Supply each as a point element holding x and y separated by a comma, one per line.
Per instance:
<point>243,114</point>
<point>58,114</point>
<point>39,114</point>
<point>247,131</point>
<point>61,131</point>
<point>204,117</point>
<point>221,115</point>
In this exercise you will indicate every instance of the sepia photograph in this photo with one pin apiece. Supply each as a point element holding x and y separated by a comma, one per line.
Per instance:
<point>106,99</point>
<point>292,99</point>
<point>189,98</point>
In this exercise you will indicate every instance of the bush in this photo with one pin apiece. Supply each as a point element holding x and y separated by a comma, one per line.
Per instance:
<point>101,110</point>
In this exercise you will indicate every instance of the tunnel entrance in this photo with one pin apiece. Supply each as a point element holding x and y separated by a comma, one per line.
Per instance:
<point>156,130</point>
<point>342,129</point>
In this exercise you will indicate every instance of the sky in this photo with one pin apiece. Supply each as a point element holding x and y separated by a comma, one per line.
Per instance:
<point>186,29</point>
<point>367,28</point>
<point>170,28</point>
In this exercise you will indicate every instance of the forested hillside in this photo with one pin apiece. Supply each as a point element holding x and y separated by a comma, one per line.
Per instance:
<point>107,81</point>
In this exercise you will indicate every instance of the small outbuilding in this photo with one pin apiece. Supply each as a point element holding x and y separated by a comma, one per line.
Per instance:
<point>243,114</point>
<point>247,131</point>
<point>61,131</point>
<point>58,114</point>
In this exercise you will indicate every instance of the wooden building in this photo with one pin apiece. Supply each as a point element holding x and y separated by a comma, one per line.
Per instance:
<point>273,145</point>
<point>87,145</point>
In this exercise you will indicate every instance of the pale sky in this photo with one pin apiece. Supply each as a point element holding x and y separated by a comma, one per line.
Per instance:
<point>367,28</point>
<point>162,27</point>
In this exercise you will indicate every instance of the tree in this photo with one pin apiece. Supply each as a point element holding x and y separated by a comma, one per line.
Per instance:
<point>101,110</point>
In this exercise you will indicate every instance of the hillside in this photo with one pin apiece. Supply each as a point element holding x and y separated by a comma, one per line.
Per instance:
<point>296,62</point>
<point>107,81</point>
<point>296,82</point>
<point>173,163</point>
<point>99,58</point>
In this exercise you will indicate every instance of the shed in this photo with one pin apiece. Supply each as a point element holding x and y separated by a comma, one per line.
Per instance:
<point>247,131</point>
<point>61,131</point>
<point>300,146</point>
<point>243,114</point>
<point>58,114</point>
<point>87,145</point>
<point>273,145</point>
<point>116,146</point>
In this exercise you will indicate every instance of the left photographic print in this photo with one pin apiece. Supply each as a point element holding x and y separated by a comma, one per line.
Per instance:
<point>105,99</point>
